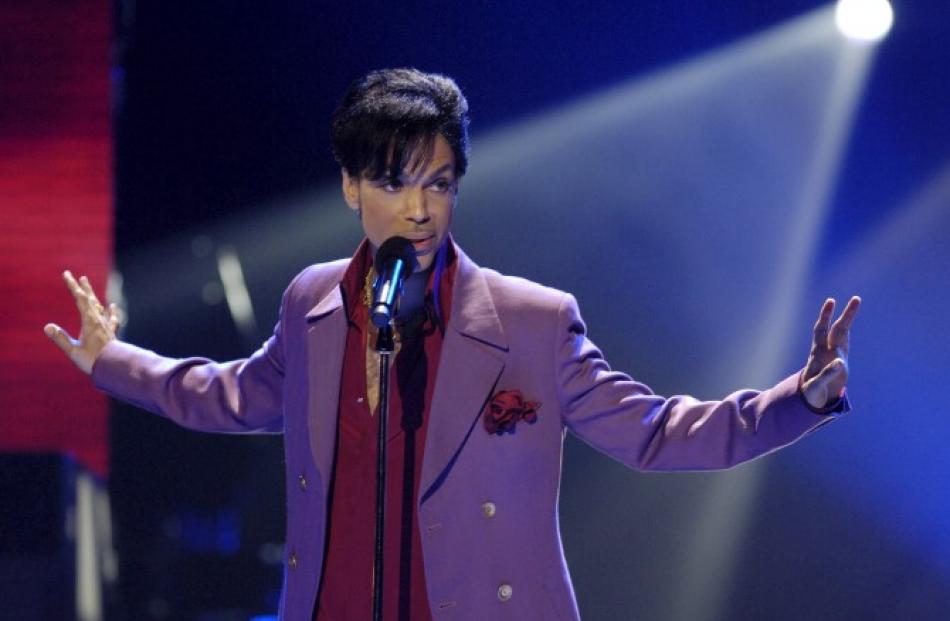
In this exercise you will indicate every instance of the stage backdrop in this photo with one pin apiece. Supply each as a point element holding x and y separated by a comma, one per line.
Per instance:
<point>55,198</point>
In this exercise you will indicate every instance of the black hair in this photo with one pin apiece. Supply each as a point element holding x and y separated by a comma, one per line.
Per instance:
<point>392,116</point>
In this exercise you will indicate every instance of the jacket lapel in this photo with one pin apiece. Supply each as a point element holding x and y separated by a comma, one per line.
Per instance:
<point>326,342</point>
<point>472,359</point>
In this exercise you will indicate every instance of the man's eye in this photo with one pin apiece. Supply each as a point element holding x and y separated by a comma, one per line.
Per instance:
<point>441,185</point>
<point>392,185</point>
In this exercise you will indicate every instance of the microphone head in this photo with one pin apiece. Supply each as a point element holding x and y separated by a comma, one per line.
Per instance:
<point>396,248</point>
<point>389,280</point>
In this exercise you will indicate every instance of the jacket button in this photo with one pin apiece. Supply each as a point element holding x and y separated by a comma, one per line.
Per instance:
<point>488,509</point>
<point>292,561</point>
<point>504,592</point>
<point>303,482</point>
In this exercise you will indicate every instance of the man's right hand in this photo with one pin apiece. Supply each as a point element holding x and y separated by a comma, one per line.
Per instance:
<point>98,325</point>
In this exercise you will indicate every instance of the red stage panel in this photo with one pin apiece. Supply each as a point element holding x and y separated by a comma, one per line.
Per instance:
<point>56,202</point>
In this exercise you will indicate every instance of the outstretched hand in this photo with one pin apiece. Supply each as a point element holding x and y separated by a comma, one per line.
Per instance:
<point>98,325</point>
<point>826,372</point>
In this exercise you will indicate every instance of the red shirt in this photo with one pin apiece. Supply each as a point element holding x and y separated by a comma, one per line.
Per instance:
<point>346,590</point>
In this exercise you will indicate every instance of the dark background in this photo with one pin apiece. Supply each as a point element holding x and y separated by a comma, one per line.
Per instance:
<point>221,118</point>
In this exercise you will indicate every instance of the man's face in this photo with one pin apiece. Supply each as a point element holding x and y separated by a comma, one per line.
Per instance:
<point>416,205</point>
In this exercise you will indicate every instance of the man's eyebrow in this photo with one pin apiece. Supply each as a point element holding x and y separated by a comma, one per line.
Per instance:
<point>403,176</point>
<point>441,169</point>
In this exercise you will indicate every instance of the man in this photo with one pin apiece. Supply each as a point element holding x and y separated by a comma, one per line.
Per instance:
<point>490,372</point>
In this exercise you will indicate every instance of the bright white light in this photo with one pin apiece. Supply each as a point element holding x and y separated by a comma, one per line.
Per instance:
<point>235,291</point>
<point>864,20</point>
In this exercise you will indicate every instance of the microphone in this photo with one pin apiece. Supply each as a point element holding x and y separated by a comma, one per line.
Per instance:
<point>395,260</point>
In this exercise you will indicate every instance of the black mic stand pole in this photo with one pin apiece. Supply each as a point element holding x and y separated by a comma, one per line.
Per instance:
<point>384,346</point>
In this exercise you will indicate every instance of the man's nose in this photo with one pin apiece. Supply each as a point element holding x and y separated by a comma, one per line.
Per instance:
<point>416,209</point>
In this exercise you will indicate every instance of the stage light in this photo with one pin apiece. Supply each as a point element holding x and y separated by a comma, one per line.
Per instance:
<point>864,20</point>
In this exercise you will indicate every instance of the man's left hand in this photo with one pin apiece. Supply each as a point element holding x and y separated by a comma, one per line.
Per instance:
<point>826,372</point>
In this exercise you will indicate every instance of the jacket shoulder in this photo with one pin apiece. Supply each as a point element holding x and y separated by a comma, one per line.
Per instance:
<point>520,295</point>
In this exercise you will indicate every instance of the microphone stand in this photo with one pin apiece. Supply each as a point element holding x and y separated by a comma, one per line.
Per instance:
<point>385,347</point>
<point>394,260</point>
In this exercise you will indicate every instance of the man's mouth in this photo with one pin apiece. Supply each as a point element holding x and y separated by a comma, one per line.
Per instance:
<point>422,244</point>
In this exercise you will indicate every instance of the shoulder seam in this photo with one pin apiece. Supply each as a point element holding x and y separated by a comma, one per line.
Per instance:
<point>557,339</point>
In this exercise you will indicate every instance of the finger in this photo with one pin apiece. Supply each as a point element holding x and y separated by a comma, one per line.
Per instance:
<point>113,316</point>
<point>87,287</point>
<point>73,286</point>
<point>822,324</point>
<point>839,330</point>
<point>79,294</point>
<point>91,296</point>
<point>60,337</point>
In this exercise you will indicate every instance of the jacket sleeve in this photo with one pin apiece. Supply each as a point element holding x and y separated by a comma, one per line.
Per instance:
<point>624,419</point>
<point>239,396</point>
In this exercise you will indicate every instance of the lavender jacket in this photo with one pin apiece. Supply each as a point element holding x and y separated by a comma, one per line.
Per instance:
<point>487,504</point>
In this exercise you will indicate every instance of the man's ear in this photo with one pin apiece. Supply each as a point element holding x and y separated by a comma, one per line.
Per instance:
<point>351,190</point>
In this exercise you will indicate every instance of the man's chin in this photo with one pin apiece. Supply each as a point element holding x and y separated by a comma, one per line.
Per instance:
<point>424,262</point>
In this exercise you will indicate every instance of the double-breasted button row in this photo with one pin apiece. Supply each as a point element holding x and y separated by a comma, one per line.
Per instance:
<point>488,509</point>
<point>504,592</point>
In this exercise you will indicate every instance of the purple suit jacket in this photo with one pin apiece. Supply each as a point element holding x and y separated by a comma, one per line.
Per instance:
<point>497,561</point>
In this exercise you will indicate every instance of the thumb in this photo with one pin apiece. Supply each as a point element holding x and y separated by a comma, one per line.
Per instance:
<point>827,385</point>
<point>60,337</point>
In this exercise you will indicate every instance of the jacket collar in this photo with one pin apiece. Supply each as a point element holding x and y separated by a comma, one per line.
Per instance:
<point>473,312</point>
<point>329,303</point>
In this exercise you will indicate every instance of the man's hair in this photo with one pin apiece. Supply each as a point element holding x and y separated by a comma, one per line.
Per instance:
<point>391,118</point>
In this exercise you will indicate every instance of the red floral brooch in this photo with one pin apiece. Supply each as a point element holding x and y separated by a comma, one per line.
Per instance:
<point>506,408</point>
